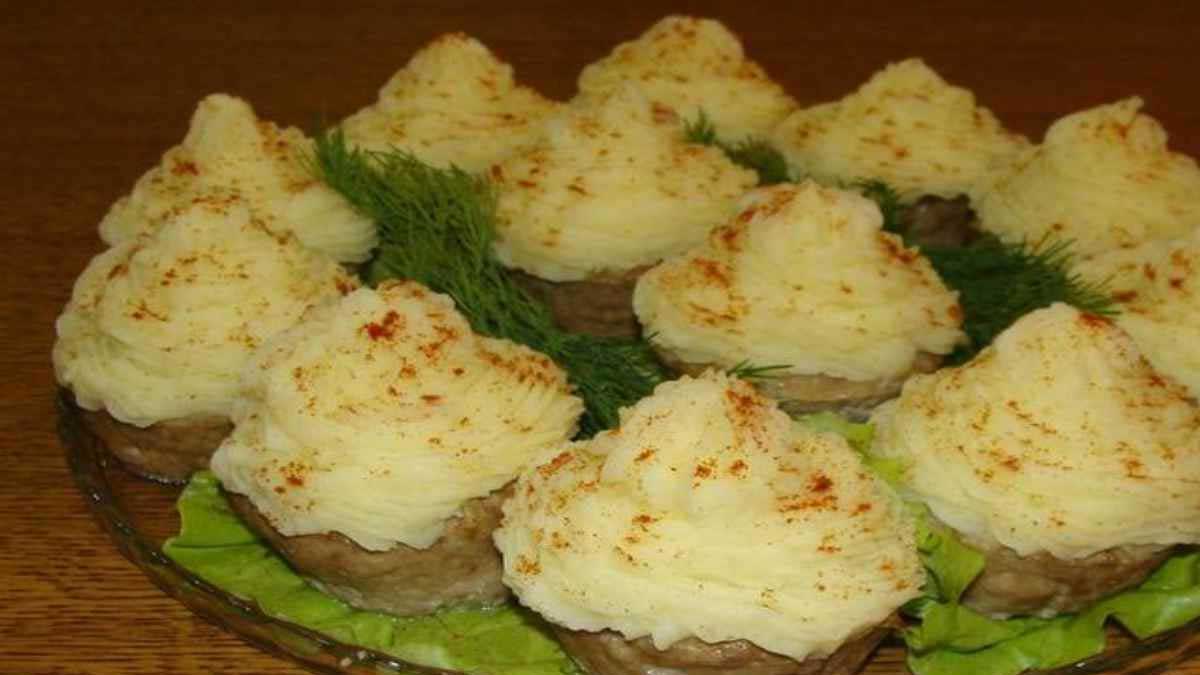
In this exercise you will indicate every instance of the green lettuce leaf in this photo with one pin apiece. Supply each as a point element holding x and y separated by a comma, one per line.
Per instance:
<point>215,545</point>
<point>948,640</point>
<point>858,435</point>
<point>951,639</point>
<point>950,564</point>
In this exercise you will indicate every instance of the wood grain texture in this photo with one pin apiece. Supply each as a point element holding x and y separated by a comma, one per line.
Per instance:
<point>93,93</point>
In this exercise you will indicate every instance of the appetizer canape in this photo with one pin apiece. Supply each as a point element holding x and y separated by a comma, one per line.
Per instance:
<point>1103,178</point>
<point>375,442</point>
<point>454,103</point>
<point>1160,306</point>
<point>688,66</point>
<point>228,152</point>
<point>160,326</point>
<point>1057,452</point>
<point>927,139</point>
<point>606,193</point>
<point>710,533</point>
<point>804,280</point>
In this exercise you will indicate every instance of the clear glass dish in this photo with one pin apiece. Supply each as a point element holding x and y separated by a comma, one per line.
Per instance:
<point>139,515</point>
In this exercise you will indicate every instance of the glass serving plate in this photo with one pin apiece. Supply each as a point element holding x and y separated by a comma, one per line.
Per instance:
<point>139,515</point>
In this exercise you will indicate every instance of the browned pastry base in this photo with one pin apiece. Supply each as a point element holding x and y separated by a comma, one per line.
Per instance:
<point>168,451</point>
<point>607,653</point>
<point>601,305</point>
<point>936,221</point>
<point>802,394</point>
<point>1042,585</point>
<point>463,567</point>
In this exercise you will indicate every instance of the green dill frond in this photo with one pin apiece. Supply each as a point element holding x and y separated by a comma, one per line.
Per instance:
<point>700,130</point>
<point>609,373</point>
<point>751,153</point>
<point>748,371</point>
<point>436,226</point>
<point>757,154</point>
<point>888,201</point>
<point>999,283</point>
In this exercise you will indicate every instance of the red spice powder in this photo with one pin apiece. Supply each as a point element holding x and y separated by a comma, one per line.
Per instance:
<point>550,468</point>
<point>185,168</point>
<point>1093,320</point>
<point>383,330</point>
<point>820,483</point>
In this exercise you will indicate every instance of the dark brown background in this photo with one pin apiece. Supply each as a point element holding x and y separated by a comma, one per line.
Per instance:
<point>93,93</point>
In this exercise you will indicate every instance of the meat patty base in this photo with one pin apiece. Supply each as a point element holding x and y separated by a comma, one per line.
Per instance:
<point>1043,585</point>
<point>607,653</point>
<point>168,451</point>
<point>937,221</point>
<point>803,394</point>
<point>462,567</point>
<point>601,305</point>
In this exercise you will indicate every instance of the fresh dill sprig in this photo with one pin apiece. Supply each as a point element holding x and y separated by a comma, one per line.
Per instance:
<point>757,154</point>
<point>999,283</point>
<point>888,201</point>
<point>747,371</point>
<point>700,130</point>
<point>752,153</point>
<point>436,226</point>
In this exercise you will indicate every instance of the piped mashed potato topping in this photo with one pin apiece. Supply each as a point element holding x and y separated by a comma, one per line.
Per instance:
<point>1059,437</point>
<point>1162,312</point>
<point>229,153</point>
<point>378,417</point>
<point>160,326</point>
<point>709,513</point>
<point>1102,178</point>
<point>804,277</point>
<point>453,103</point>
<point>608,190</point>
<point>1121,271</point>
<point>907,127</point>
<point>689,65</point>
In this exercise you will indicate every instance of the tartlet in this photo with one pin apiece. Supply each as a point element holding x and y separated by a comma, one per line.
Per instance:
<point>375,440</point>
<point>1059,453</point>
<point>907,127</point>
<point>230,154</point>
<point>160,326</point>
<point>454,103</point>
<point>1102,178</point>
<point>690,66</point>
<point>605,193</point>
<point>1158,287</point>
<point>709,533</point>
<point>803,280</point>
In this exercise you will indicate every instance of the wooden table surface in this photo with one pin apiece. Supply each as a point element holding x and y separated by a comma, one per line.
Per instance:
<point>94,93</point>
